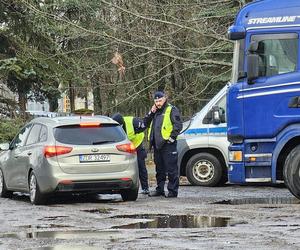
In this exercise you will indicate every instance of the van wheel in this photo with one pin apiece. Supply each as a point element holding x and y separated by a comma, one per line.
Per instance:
<point>291,172</point>
<point>204,169</point>
<point>4,193</point>
<point>130,194</point>
<point>35,195</point>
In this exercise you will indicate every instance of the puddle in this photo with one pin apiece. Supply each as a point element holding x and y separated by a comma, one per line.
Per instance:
<point>173,221</point>
<point>71,234</point>
<point>149,221</point>
<point>271,201</point>
<point>77,234</point>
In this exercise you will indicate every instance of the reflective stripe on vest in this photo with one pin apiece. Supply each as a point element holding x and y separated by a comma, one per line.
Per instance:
<point>167,126</point>
<point>136,139</point>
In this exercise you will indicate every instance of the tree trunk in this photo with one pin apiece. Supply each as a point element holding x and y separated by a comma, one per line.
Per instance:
<point>22,102</point>
<point>72,97</point>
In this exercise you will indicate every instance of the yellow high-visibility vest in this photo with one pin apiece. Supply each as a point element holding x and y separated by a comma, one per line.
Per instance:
<point>136,139</point>
<point>167,126</point>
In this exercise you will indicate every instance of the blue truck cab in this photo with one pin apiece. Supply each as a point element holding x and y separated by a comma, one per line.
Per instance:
<point>263,100</point>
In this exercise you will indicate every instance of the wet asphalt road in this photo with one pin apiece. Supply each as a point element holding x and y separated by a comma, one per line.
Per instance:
<point>200,218</point>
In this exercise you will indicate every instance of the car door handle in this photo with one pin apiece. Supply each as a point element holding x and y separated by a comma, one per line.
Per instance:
<point>29,153</point>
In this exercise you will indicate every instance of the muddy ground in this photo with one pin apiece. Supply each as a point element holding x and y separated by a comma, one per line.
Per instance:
<point>229,217</point>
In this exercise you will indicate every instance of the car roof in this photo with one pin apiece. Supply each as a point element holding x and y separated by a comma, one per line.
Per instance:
<point>72,120</point>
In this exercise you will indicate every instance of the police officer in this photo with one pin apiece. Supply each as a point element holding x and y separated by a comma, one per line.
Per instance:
<point>134,128</point>
<point>164,122</point>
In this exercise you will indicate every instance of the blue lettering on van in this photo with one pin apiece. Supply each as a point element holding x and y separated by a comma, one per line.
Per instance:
<point>217,130</point>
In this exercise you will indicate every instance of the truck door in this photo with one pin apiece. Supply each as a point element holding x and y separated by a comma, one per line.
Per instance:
<point>267,98</point>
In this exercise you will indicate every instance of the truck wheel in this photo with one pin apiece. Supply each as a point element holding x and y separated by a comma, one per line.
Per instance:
<point>130,194</point>
<point>291,172</point>
<point>204,169</point>
<point>4,193</point>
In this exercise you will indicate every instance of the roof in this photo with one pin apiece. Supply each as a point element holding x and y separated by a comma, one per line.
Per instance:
<point>269,13</point>
<point>70,120</point>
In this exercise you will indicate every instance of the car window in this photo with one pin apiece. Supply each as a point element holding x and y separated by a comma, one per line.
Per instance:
<point>222,105</point>
<point>33,136</point>
<point>89,135</point>
<point>20,138</point>
<point>43,134</point>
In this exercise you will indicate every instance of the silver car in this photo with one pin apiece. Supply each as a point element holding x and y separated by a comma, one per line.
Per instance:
<point>69,154</point>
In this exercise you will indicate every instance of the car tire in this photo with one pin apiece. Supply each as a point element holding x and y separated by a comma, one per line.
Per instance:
<point>130,194</point>
<point>204,169</point>
<point>291,172</point>
<point>4,192</point>
<point>36,197</point>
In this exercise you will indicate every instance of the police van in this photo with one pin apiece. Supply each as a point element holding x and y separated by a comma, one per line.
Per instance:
<point>203,146</point>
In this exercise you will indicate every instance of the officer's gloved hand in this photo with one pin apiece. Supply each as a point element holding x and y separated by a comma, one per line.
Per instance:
<point>170,140</point>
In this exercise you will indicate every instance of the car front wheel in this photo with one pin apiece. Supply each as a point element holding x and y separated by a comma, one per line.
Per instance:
<point>4,193</point>
<point>35,195</point>
<point>204,169</point>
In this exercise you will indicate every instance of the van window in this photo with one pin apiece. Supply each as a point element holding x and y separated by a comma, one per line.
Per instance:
<point>222,105</point>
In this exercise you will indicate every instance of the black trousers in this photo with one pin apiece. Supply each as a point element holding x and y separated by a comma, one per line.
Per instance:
<point>166,165</point>
<point>143,173</point>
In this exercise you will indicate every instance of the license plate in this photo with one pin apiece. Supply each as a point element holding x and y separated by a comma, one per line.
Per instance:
<point>94,158</point>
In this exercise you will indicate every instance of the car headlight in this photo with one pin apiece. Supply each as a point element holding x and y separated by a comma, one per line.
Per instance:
<point>235,155</point>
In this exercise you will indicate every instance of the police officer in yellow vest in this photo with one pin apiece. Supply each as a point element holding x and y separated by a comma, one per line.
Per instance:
<point>134,128</point>
<point>164,122</point>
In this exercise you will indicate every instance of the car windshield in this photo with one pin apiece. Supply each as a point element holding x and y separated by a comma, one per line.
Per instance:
<point>77,135</point>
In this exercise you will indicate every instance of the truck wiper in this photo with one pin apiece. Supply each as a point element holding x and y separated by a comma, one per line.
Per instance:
<point>102,142</point>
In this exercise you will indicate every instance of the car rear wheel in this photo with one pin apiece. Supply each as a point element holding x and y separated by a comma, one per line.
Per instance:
<point>130,194</point>
<point>4,193</point>
<point>35,195</point>
<point>204,169</point>
<point>291,171</point>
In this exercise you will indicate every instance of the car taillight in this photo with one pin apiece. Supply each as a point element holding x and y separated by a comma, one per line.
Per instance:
<point>125,179</point>
<point>50,151</point>
<point>128,147</point>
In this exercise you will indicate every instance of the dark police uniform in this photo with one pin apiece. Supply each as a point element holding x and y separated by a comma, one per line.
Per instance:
<point>134,128</point>
<point>165,125</point>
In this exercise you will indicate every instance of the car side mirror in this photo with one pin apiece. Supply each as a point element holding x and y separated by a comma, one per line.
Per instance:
<point>216,116</point>
<point>4,146</point>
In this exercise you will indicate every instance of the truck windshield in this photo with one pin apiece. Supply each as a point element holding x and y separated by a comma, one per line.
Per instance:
<point>238,61</point>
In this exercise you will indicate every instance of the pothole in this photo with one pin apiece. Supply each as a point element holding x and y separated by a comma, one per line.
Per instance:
<point>172,221</point>
<point>44,226</point>
<point>99,210</point>
<point>271,201</point>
